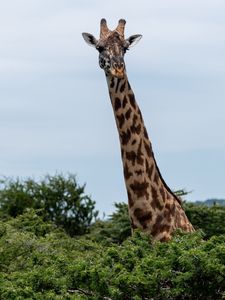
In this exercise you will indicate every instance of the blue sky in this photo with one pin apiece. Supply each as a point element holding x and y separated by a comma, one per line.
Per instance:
<point>55,113</point>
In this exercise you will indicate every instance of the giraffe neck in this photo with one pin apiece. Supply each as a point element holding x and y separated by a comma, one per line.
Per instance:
<point>148,195</point>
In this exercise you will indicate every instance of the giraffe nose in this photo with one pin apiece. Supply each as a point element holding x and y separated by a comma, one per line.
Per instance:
<point>118,65</point>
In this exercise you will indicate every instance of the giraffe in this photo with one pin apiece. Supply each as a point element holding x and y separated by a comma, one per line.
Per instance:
<point>152,206</point>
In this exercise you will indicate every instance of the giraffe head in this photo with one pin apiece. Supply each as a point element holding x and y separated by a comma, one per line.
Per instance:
<point>112,46</point>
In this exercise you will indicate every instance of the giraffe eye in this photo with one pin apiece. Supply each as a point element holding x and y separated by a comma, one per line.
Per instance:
<point>100,48</point>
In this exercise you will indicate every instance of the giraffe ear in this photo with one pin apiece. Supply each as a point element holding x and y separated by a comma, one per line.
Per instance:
<point>89,39</point>
<point>133,40</point>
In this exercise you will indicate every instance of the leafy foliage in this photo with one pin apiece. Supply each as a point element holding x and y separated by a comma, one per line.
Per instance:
<point>60,199</point>
<point>115,229</point>
<point>39,261</point>
<point>211,219</point>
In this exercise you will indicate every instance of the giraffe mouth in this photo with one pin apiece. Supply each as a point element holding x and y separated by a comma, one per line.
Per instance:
<point>119,73</point>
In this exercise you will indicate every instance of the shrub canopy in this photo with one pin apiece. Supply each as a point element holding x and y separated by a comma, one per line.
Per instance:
<point>51,249</point>
<point>59,198</point>
<point>39,261</point>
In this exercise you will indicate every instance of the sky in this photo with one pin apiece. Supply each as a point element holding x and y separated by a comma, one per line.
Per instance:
<point>55,112</point>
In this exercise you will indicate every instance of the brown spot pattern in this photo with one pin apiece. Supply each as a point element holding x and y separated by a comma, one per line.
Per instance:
<point>155,199</point>
<point>173,209</point>
<point>156,178</point>
<point>135,119</point>
<point>149,169</point>
<point>140,159</point>
<point>122,87</point>
<point>162,192</point>
<point>167,215</point>
<point>143,216</point>
<point>125,101</point>
<point>135,156</point>
<point>121,120</point>
<point>117,104</point>
<point>132,100</point>
<point>164,227</point>
<point>157,225</point>
<point>139,172</point>
<point>127,173</point>
<point>148,149</point>
<point>112,83</point>
<point>117,84</point>
<point>167,206</point>
<point>136,129</point>
<point>128,113</point>
<point>125,137</point>
<point>131,156</point>
<point>140,188</point>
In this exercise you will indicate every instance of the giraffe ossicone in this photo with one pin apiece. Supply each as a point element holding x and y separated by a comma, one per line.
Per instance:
<point>153,207</point>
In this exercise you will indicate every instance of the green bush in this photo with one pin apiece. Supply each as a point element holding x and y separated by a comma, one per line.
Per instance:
<point>185,268</point>
<point>115,229</point>
<point>36,258</point>
<point>60,199</point>
<point>39,261</point>
<point>211,219</point>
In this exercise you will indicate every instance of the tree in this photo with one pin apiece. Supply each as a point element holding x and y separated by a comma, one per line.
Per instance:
<point>59,198</point>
